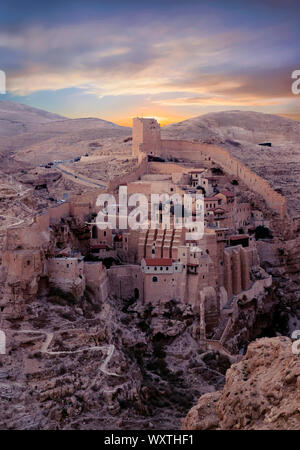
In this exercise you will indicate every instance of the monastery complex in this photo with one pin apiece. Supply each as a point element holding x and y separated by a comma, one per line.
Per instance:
<point>65,249</point>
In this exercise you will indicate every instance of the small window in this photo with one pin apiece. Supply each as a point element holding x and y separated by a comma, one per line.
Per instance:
<point>154,279</point>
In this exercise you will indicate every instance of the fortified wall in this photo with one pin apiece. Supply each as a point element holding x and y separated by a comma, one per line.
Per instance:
<point>146,140</point>
<point>133,175</point>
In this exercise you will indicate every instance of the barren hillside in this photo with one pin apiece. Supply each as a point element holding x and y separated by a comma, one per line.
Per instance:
<point>30,137</point>
<point>16,118</point>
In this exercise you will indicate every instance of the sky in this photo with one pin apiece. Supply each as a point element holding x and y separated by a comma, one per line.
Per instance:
<point>166,59</point>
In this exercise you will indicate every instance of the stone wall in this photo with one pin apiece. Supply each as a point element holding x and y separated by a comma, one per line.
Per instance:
<point>59,211</point>
<point>126,282</point>
<point>237,264</point>
<point>133,175</point>
<point>209,154</point>
<point>67,274</point>
<point>96,279</point>
<point>166,288</point>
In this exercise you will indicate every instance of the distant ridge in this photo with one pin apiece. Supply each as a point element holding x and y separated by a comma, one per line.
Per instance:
<point>35,136</point>
<point>248,126</point>
<point>16,118</point>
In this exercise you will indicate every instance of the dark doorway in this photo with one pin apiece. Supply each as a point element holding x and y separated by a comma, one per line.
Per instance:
<point>95,232</point>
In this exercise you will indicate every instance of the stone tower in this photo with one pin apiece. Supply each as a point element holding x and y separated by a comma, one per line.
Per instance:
<point>145,137</point>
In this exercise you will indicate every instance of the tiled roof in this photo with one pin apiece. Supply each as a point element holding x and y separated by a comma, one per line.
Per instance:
<point>219,210</point>
<point>238,237</point>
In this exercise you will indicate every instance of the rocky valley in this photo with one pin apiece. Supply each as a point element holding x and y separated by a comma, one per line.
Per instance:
<point>90,342</point>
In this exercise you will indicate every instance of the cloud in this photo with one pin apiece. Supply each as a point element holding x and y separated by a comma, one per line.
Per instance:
<point>169,63</point>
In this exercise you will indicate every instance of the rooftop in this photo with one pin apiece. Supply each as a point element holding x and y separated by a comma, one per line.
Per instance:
<point>209,199</point>
<point>237,237</point>
<point>227,193</point>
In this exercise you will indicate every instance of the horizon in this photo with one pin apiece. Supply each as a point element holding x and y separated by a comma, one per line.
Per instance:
<point>128,121</point>
<point>169,61</point>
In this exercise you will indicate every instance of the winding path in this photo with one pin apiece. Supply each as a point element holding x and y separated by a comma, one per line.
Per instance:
<point>80,178</point>
<point>109,348</point>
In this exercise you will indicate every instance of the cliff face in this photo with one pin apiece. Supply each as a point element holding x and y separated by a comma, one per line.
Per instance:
<point>262,391</point>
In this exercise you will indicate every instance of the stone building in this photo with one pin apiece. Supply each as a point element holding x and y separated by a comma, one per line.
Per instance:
<point>164,280</point>
<point>67,274</point>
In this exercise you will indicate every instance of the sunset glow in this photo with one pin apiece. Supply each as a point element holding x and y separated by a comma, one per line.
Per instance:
<point>116,60</point>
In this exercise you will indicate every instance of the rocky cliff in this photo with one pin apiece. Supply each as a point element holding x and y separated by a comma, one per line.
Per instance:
<point>261,392</point>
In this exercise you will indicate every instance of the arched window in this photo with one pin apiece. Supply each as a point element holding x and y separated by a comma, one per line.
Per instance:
<point>154,279</point>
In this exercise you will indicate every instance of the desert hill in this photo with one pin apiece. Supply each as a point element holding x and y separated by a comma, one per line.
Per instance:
<point>243,126</point>
<point>33,136</point>
<point>16,118</point>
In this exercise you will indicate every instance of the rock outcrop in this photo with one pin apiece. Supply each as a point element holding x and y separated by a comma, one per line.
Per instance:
<point>262,392</point>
